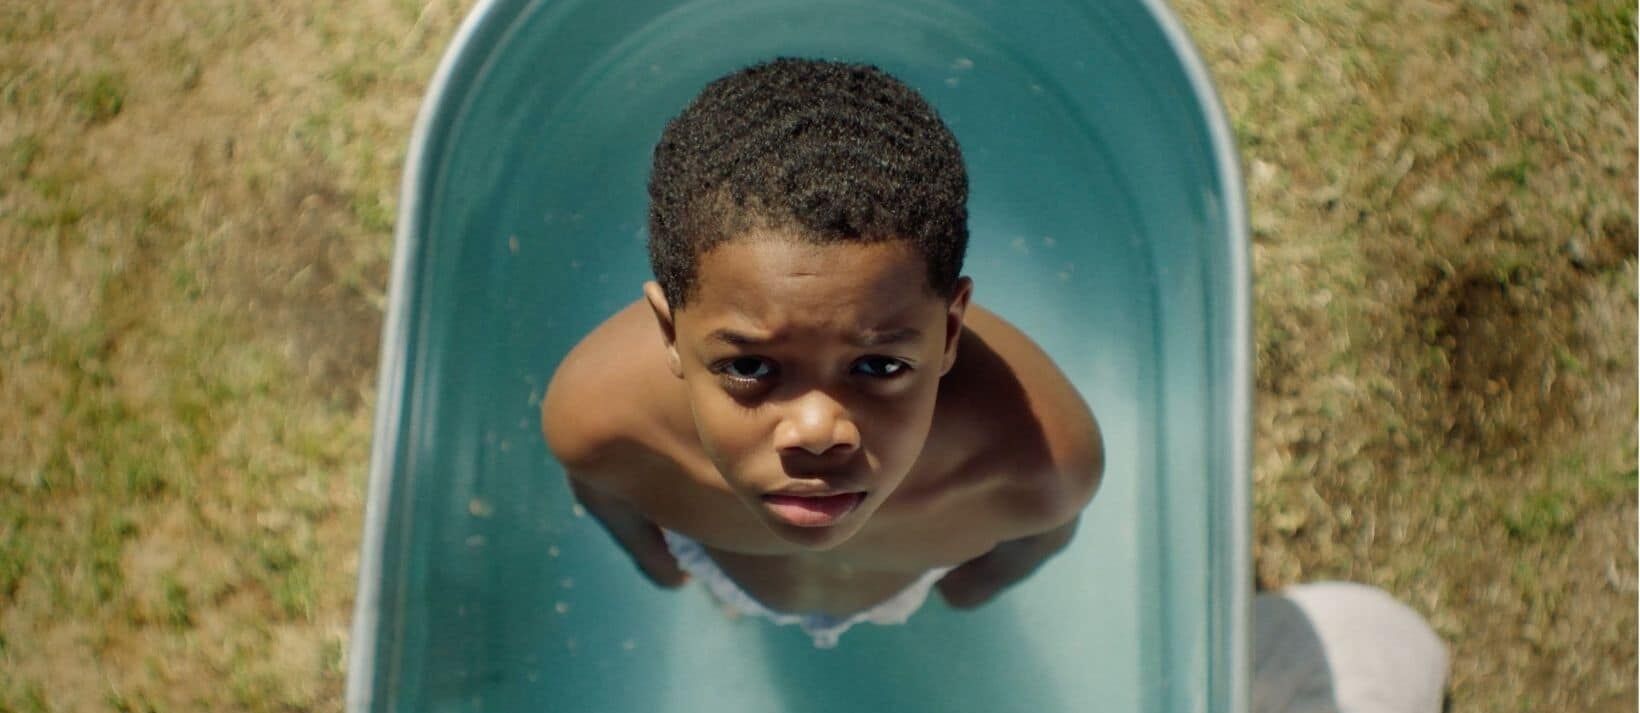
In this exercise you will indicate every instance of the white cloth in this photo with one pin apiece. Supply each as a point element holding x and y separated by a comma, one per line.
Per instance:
<point>825,629</point>
<point>1336,647</point>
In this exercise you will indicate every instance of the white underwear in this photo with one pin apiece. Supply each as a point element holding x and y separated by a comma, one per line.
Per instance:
<point>825,629</point>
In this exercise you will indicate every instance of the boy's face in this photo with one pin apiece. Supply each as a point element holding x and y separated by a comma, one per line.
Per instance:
<point>812,372</point>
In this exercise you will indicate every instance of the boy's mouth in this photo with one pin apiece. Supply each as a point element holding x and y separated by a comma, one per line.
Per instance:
<point>812,510</point>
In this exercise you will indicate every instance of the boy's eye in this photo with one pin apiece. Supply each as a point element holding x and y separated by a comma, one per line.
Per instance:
<point>747,368</point>
<point>880,367</point>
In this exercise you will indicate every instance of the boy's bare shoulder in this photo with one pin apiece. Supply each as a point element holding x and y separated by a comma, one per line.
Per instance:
<point>1029,422</point>
<point>612,392</point>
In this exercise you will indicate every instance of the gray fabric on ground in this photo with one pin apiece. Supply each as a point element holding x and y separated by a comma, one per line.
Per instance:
<point>1349,648</point>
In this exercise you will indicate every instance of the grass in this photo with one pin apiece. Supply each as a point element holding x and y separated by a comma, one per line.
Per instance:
<point>1456,423</point>
<point>181,464</point>
<point>100,97</point>
<point>195,214</point>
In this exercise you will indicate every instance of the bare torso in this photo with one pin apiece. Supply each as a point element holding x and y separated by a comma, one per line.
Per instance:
<point>1005,423</point>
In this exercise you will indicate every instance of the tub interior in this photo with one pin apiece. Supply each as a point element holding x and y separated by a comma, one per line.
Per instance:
<point>1102,224</point>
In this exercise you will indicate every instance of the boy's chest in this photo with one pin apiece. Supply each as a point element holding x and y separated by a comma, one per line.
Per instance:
<point>883,559</point>
<point>915,544</point>
<point>911,533</point>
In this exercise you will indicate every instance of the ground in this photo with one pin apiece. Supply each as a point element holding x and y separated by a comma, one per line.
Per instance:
<point>196,201</point>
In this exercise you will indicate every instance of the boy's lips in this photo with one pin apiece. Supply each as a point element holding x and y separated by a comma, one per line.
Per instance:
<point>812,510</point>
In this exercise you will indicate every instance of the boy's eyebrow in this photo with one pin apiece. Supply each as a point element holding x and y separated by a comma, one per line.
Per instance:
<point>872,338</point>
<point>891,336</point>
<point>738,339</point>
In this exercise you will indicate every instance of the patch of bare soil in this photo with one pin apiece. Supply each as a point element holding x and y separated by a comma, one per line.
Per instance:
<point>299,274</point>
<point>1507,345</point>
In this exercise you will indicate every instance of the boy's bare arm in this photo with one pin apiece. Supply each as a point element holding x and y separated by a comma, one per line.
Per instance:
<point>979,580</point>
<point>640,538</point>
<point>1050,511</point>
<point>596,469</point>
<point>1056,513</point>
<point>583,431</point>
<point>1043,512</point>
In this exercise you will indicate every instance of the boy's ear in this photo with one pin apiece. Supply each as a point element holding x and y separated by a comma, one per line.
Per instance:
<point>954,312</point>
<point>663,318</point>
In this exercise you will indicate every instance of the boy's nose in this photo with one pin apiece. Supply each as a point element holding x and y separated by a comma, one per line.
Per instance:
<point>817,423</point>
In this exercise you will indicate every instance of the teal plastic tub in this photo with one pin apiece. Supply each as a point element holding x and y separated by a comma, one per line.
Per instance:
<point>1107,222</point>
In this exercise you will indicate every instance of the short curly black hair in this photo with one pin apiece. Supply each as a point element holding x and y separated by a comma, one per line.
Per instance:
<point>824,150</point>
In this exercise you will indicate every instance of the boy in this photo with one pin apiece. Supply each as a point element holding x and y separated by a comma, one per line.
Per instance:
<point>805,410</point>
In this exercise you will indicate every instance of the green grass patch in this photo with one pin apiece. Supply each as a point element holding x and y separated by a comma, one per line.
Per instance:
<point>32,699</point>
<point>104,546</point>
<point>357,75</point>
<point>333,656</point>
<point>1568,362</point>
<point>1540,516</point>
<point>1516,172</point>
<point>371,212</point>
<point>184,64</point>
<point>26,84</point>
<point>100,97</point>
<point>1614,486</point>
<point>288,575</point>
<point>15,556</point>
<point>121,703</point>
<point>63,205</point>
<point>1607,25</point>
<point>18,157</point>
<point>178,611</point>
<point>24,21</point>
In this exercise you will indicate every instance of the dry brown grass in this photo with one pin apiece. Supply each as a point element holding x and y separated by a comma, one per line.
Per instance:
<point>194,228</point>
<point>195,207</point>
<point>1443,203</point>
